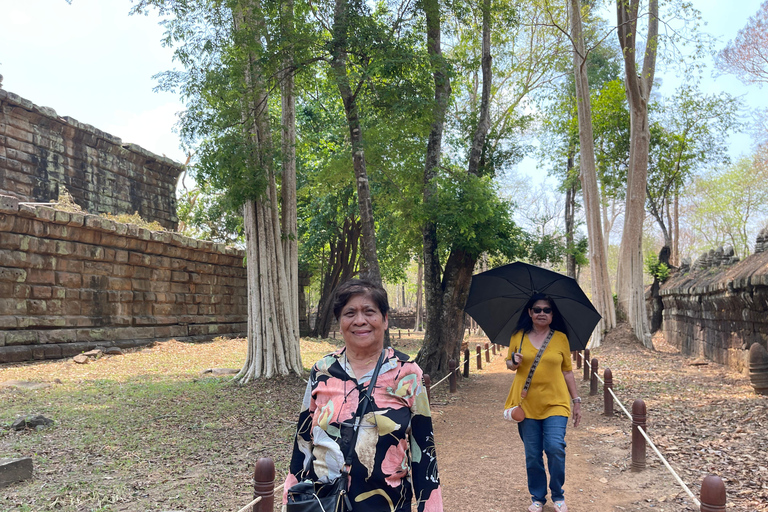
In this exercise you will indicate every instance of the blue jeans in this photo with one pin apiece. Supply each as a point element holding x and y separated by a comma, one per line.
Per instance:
<point>539,437</point>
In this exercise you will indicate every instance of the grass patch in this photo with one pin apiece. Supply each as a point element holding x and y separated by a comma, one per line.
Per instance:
<point>148,431</point>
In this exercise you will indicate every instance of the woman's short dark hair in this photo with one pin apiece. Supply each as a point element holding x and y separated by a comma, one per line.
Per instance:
<point>348,289</point>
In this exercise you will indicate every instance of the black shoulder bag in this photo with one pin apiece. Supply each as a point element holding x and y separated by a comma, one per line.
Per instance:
<point>308,496</point>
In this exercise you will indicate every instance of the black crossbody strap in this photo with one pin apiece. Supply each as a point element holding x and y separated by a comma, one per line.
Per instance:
<point>536,361</point>
<point>362,409</point>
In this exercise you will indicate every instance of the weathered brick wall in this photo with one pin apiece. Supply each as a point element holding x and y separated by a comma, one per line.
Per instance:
<point>40,151</point>
<point>718,312</point>
<point>72,281</point>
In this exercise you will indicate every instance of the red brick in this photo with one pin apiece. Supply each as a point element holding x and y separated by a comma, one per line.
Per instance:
<point>41,276</point>
<point>41,292</point>
<point>69,280</point>
<point>118,283</point>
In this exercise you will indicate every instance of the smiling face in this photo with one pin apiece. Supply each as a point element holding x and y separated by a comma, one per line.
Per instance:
<point>540,318</point>
<point>362,324</point>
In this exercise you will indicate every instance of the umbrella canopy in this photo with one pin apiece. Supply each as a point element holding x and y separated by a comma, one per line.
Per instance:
<point>498,297</point>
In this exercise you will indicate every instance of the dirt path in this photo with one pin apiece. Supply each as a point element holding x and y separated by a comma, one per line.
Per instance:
<point>482,464</point>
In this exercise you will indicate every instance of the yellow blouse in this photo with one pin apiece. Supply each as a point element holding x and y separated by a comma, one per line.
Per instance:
<point>548,393</point>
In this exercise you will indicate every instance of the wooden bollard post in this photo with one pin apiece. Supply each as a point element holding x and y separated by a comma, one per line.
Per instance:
<point>466,363</point>
<point>399,334</point>
<point>493,349</point>
<point>428,385</point>
<point>487,351</point>
<point>454,385</point>
<point>607,396</point>
<point>479,357</point>
<point>593,381</point>
<point>578,360</point>
<point>264,485</point>
<point>638,441</point>
<point>586,366</point>
<point>712,494</point>
<point>333,334</point>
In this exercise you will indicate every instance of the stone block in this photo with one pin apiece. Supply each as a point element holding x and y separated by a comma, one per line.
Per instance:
<point>69,280</point>
<point>72,349</point>
<point>171,331</point>
<point>37,276</point>
<point>13,306</point>
<point>55,336</point>
<point>15,470</point>
<point>15,354</point>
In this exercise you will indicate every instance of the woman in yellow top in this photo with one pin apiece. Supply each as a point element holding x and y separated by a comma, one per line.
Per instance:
<point>547,402</point>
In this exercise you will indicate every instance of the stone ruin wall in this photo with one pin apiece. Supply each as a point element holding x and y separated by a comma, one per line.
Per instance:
<point>40,152</point>
<point>70,282</point>
<point>718,307</point>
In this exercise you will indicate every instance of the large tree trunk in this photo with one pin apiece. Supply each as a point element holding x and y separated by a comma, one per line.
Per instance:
<point>343,258</point>
<point>630,288</point>
<point>419,295</point>
<point>446,298</point>
<point>570,219</point>
<point>601,283</point>
<point>349,98</point>
<point>288,183</point>
<point>273,327</point>
<point>432,351</point>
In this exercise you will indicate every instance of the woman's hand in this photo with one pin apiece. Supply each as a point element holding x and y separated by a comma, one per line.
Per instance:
<point>513,363</point>
<point>576,414</point>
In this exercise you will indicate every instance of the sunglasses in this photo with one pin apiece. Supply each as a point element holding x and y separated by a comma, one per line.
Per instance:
<point>540,310</point>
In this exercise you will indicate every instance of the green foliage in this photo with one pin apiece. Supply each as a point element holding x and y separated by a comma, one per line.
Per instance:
<point>204,214</point>
<point>655,268</point>
<point>472,218</point>
<point>690,131</point>
<point>728,205</point>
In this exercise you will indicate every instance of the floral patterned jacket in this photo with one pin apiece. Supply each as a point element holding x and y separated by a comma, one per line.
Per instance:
<point>398,419</point>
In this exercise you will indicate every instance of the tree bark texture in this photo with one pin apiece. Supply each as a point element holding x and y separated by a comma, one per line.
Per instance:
<point>446,297</point>
<point>273,326</point>
<point>342,260</point>
<point>288,182</point>
<point>570,220</point>
<point>349,99</point>
<point>630,288</point>
<point>602,296</point>
<point>433,357</point>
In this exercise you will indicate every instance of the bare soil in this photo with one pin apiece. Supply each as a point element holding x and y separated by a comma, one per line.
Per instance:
<point>482,461</point>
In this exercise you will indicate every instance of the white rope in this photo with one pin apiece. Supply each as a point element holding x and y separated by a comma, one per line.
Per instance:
<point>256,500</point>
<point>466,361</point>
<point>648,440</point>
<point>679,480</point>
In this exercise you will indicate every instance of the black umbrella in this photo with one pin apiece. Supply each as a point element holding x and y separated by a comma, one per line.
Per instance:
<point>498,297</point>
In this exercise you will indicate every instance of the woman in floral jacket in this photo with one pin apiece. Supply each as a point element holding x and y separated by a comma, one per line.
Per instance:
<point>394,458</point>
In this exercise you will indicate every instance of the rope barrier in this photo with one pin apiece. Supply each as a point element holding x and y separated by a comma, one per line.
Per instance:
<point>256,500</point>
<point>650,443</point>
<point>457,368</point>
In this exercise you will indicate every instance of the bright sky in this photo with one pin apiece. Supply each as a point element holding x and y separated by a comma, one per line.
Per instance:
<point>91,61</point>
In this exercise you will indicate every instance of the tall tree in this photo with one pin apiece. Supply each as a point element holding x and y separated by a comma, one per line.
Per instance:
<point>746,56</point>
<point>227,51</point>
<point>639,83</point>
<point>464,217</point>
<point>602,296</point>
<point>342,24</point>
<point>690,132</point>
<point>728,205</point>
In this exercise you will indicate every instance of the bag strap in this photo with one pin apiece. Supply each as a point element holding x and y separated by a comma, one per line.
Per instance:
<point>535,361</point>
<point>362,408</point>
